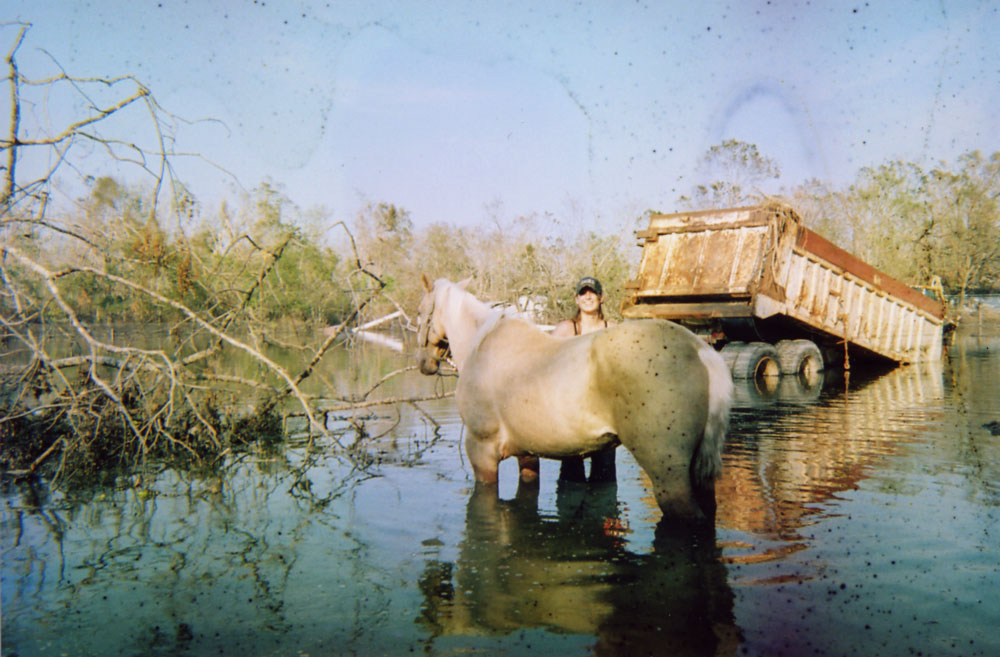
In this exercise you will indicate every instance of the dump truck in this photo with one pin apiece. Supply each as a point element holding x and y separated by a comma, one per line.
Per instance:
<point>775,297</point>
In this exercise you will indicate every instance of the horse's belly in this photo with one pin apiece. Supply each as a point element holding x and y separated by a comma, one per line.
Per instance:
<point>553,436</point>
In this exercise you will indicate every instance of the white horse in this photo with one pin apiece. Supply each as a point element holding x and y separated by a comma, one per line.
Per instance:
<point>650,385</point>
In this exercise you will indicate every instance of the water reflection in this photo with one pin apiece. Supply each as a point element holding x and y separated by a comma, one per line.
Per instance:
<point>854,516</point>
<point>574,572</point>
<point>763,391</point>
<point>184,564</point>
<point>791,451</point>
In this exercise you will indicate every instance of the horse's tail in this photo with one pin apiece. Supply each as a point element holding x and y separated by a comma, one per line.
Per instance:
<point>708,460</point>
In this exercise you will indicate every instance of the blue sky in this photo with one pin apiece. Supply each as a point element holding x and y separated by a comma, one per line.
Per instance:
<point>590,111</point>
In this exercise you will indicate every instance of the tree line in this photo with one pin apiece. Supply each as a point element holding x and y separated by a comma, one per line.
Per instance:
<point>909,222</point>
<point>913,222</point>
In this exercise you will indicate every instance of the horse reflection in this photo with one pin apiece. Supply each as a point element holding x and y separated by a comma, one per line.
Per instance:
<point>573,572</point>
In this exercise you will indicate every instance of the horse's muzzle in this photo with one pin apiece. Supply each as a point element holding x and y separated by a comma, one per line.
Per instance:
<point>428,364</point>
<point>430,357</point>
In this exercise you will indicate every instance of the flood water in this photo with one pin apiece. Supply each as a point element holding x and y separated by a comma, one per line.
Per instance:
<point>859,517</point>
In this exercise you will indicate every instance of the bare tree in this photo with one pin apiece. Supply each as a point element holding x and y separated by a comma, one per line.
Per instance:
<point>88,395</point>
<point>966,207</point>
<point>734,170</point>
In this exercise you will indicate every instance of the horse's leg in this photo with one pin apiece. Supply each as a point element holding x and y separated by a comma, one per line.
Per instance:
<point>668,470</point>
<point>483,458</point>
<point>571,470</point>
<point>658,387</point>
<point>526,496</point>
<point>529,468</point>
<point>704,495</point>
<point>602,467</point>
<point>665,455</point>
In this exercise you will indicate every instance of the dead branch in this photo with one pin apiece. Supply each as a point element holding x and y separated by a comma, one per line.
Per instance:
<point>427,416</point>
<point>340,405</point>
<point>261,276</point>
<point>332,337</point>
<point>15,122</point>
<point>64,269</point>
<point>207,326</point>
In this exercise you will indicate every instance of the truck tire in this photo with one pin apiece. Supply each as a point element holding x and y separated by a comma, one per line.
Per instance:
<point>756,359</point>
<point>800,358</point>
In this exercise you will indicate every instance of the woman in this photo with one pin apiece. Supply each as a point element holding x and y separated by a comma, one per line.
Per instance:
<point>589,311</point>
<point>589,317</point>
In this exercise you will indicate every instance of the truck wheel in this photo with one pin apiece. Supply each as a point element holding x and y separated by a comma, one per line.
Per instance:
<point>801,358</point>
<point>756,359</point>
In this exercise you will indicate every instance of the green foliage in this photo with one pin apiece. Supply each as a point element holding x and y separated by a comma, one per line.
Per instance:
<point>301,284</point>
<point>212,270</point>
<point>965,225</point>
<point>912,223</point>
<point>888,220</point>
<point>915,224</point>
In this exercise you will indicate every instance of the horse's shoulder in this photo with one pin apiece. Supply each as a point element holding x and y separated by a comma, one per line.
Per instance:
<point>515,327</point>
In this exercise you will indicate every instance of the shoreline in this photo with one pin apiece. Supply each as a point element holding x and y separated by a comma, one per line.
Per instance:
<point>983,321</point>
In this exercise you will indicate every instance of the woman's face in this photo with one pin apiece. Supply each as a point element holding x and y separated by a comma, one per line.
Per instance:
<point>588,301</point>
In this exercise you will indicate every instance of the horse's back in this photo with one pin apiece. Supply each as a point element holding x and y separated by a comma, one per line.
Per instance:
<point>648,346</point>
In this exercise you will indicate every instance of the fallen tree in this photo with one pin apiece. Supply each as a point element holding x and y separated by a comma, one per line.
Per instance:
<point>76,398</point>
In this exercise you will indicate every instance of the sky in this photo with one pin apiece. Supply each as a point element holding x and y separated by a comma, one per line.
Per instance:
<point>591,112</point>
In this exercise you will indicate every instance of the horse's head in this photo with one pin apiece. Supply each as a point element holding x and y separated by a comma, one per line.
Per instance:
<point>432,343</point>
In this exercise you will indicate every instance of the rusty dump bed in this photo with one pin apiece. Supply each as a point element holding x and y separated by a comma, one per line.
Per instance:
<point>761,264</point>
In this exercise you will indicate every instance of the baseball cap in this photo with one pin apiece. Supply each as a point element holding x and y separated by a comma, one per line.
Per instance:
<point>589,282</point>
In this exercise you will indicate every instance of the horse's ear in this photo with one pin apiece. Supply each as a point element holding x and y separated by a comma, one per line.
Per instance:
<point>428,285</point>
<point>465,284</point>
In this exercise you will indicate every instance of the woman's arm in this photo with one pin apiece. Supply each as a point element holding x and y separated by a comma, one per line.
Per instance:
<point>564,329</point>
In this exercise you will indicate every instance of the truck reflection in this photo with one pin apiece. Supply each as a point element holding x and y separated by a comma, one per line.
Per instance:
<point>792,451</point>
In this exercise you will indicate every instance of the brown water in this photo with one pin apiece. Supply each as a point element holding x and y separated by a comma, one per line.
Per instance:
<point>856,518</point>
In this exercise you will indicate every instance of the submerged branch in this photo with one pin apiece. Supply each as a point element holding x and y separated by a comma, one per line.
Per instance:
<point>341,405</point>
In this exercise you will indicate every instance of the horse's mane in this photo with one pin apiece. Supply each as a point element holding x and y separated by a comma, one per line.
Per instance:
<point>491,316</point>
<point>492,320</point>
